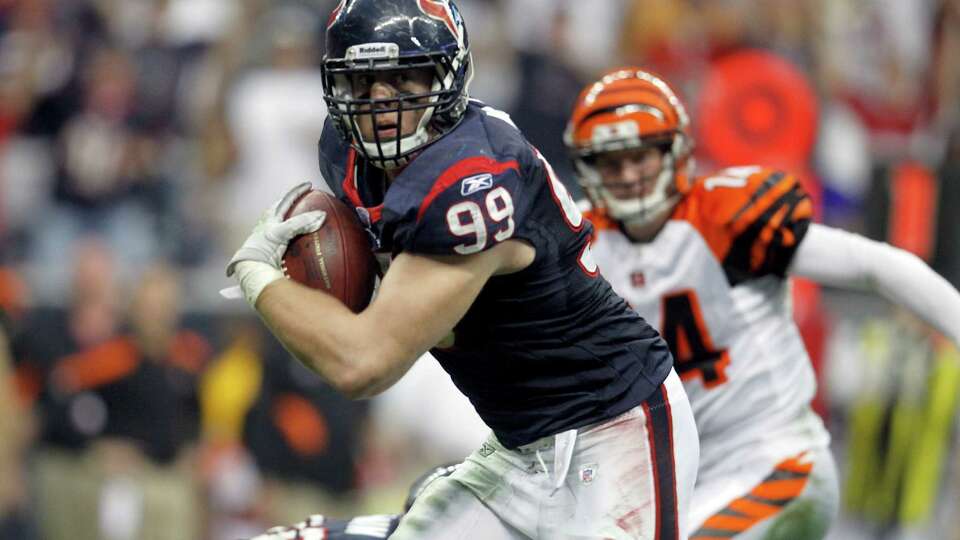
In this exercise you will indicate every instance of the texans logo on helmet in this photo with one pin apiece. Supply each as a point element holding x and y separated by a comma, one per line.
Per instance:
<point>440,10</point>
<point>336,11</point>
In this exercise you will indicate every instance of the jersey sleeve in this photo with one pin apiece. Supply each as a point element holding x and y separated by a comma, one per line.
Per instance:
<point>754,219</point>
<point>473,205</point>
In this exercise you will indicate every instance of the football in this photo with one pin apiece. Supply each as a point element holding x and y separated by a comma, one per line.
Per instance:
<point>337,258</point>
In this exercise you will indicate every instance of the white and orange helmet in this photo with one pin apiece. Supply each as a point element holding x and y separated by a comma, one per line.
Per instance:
<point>630,108</point>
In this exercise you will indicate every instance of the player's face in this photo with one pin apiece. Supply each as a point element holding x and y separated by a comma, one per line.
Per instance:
<point>389,86</point>
<point>630,174</point>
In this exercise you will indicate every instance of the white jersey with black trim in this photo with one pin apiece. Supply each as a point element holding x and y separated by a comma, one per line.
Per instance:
<point>713,281</point>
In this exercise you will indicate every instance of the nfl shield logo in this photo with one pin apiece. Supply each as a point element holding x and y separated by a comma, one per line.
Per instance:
<point>588,473</point>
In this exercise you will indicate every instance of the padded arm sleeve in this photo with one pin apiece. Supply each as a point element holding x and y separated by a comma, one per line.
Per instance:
<point>842,259</point>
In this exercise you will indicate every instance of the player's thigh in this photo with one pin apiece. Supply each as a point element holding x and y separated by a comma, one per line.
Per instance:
<point>633,477</point>
<point>448,510</point>
<point>798,500</point>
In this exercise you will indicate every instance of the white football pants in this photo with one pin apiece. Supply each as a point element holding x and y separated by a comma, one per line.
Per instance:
<point>628,477</point>
<point>784,488</point>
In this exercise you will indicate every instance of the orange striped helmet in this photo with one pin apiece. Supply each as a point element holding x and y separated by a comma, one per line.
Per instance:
<point>625,109</point>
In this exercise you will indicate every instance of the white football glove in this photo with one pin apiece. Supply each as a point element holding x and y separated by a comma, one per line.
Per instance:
<point>257,263</point>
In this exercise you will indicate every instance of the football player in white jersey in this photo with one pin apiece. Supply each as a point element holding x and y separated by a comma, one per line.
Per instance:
<point>706,261</point>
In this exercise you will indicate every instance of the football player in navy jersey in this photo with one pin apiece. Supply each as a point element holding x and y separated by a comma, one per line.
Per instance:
<point>490,269</point>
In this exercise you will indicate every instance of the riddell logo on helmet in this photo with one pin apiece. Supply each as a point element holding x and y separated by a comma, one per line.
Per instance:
<point>373,51</point>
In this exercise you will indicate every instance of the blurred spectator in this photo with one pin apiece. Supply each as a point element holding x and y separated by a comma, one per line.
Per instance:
<point>305,438</point>
<point>888,45</point>
<point>845,165</point>
<point>63,482</point>
<point>947,126</point>
<point>665,37</point>
<point>35,65</point>
<point>868,134</point>
<point>677,38</point>
<point>877,45</point>
<point>107,179</point>
<point>119,410</point>
<point>947,258</point>
<point>228,389</point>
<point>145,449</point>
<point>275,114</point>
<point>163,384</point>
<point>947,37</point>
<point>548,88</point>
<point>496,79</point>
<point>558,45</point>
<point>15,433</point>
<point>300,439</point>
<point>586,38</point>
<point>188,22</point>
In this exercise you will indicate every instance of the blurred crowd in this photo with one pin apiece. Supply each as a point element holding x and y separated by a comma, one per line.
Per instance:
<point>141,139</point>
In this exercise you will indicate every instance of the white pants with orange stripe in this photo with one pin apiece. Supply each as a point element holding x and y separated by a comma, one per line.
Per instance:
<point>757,494</point>
<point>628,477</point>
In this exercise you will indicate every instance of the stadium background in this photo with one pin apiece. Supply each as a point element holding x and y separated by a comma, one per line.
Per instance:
<point>140,139</point>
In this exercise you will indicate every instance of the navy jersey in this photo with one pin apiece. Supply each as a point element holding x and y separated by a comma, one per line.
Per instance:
<point>540,351</point>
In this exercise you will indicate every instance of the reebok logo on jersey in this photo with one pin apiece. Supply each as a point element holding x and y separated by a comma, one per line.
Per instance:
<point>475,183</point>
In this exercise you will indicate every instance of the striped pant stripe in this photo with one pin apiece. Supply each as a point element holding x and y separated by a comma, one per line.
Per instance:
<point>660,433</point>
<point>777,490</point>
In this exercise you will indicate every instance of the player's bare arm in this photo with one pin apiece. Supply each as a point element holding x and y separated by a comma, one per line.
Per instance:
<point>418,303</point>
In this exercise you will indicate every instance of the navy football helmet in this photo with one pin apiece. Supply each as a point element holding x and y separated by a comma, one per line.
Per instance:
<point>369,39</point>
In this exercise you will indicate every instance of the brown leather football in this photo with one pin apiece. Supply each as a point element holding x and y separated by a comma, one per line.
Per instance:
<point>336,258</point>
